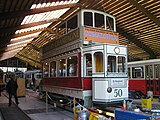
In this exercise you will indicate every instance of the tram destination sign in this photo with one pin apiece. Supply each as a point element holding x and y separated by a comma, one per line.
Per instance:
<point>97,35</point>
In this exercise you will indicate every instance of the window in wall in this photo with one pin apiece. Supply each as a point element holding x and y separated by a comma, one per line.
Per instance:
<point>111,64</point>
<point>53,69</point>
<point>149,71</point>
<point>99,20</point>
<point>88,19</point>
<point>72,23</point>
<point>88,64</point>
<point>109,23</point>
<point>98,57</point>
<point>121,64</point>
<point>72,66</point>
<point>137,72</point>
<point>46,69</point>
<point>62,67</point>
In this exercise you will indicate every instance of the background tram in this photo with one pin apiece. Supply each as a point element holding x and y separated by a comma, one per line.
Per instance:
<point>145,76</point>
<point>33,78</point>
<point>85,60</point>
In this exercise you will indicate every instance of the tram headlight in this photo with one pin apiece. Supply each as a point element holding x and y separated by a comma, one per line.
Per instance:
<point>109,89</point>
<point>117,50</point>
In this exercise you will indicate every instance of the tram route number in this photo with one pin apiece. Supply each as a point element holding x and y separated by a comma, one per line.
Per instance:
<point>118,93</point>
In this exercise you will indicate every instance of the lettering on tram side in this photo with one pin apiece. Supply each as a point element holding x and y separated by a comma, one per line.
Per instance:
<point>100,35</point>
<point>62,40</point>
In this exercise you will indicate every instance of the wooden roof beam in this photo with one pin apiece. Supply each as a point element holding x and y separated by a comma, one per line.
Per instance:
<point>5,41</point>
<point>14,28</point>
<point>137,42</point>
<point>145,11</point>
<point>34,47</point>
<point>27,58</point>
<point>23,13</point>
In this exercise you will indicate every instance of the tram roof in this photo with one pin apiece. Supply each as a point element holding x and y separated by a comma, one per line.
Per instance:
<point>27,25</point>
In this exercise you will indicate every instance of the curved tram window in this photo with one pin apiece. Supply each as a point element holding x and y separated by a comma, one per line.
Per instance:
<point>99,20</point>
<point>99,62</point>
<point>88,19</point>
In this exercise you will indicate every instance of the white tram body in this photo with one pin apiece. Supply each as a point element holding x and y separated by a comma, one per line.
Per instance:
<point>86,61</point>
<point>111,83</point>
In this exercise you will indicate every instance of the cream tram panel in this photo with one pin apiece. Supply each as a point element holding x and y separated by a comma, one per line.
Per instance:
<point>116,49</point>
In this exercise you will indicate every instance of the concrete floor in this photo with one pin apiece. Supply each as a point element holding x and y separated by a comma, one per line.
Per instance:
<point>36,109</point>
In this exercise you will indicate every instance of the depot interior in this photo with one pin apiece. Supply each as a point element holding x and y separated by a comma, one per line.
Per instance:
<point>26,26</point>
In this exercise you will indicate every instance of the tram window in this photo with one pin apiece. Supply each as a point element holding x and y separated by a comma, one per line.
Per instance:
<point>157,88</point>
<point>98,57</point>
<point>121,64</point>
<point>88,19</point>
<point>99,20</point>
<point>62,67</point>
<point>88,64</point>
<point>45,69</point>
<point>72,66</point>
<point>111,64</point>
<point>137,72</point>
<point>109,23</point>
<point>72,23</point>
<point>157,71</point>
<point>53,69</point>
<point>149,71</point>
<point>157,82</point>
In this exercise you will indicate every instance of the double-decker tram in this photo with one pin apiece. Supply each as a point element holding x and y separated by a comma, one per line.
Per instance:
<point>85,60</point>
<point>145,76</point>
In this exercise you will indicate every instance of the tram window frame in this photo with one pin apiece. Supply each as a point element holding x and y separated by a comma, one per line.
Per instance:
<point>88,65</point>
<point>109,23</point>
<point>157,71</point>
<point>45,70</point>
<point>99,20</point>
<point>122,64</point>
<point>138,74</point>
<point>53,69</point>
<point>129,72</point>
<point>110,66</point>
<point>88,18</point>
<point>149,71</point>
<point>99,66</point>
<point>72,23</point>
<point>72,66</point>
<point>61,68</point>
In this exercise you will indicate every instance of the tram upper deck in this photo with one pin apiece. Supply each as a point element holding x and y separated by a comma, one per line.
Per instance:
<point>82,28</point>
